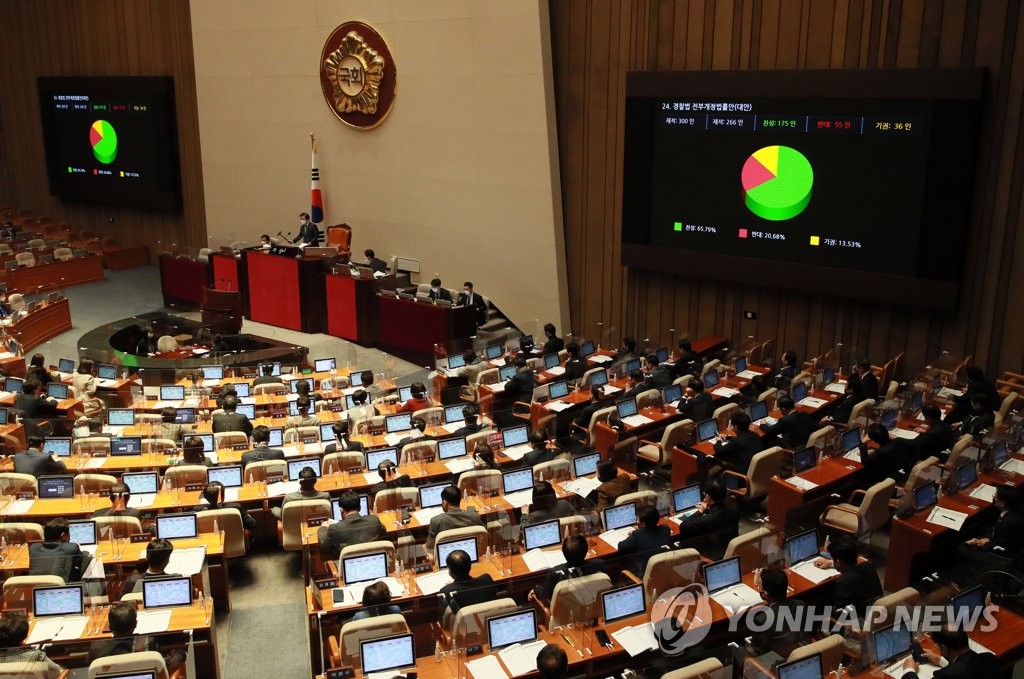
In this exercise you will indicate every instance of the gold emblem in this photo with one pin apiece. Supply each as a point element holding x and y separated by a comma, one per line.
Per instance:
<point>355,71</point>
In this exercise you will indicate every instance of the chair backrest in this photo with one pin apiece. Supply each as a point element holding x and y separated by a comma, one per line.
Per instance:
<point>20,532</point>
<point>158,445</point>
<point>17,301</point>
<point>480,481</point>
<point>1007,404</point>
<point>12,483</point>
<point>357,631</point>
<point>488,376</point>
<point>906,598</point>
<point>479,532</point>
<point>919,472</point>
<point>385,546</point>
<point>754,548</point>
<point>18,589</point>
<point>763,466</point>
<point>768,397</point>
<point>229,520</point>
<point>709,668</point>
<point>819,437</point>
<point>961,446</point>
<point>26,258</point>
<point>259,471</point>
<point>480,436</point>
<point>133,596</point>
<point>578,599</point>
<point>303,433</point>
<point>392,498</point>
<point>226,439</point>
<point>469,625</point>
<point>119,525</point>
<point>182,475</point>
<point>34,669</point>
<point>861,410</point>
<point>683,380</point>
<point>36,244</point>
<point>648,399</point>
<point>63,253</point>
<point>723,413</point>
<point>148,418</point>
<point>142,661</point>
<point>640,497</point>
<point>830,648</point>
<point>294,514</point>
<point>418,450</point>
<point>551,470</point>
<point>271,388</point>
<point>709,366</point>
<point>166,343</point>
<point>93,483</point>
<point>675,434</point>
<point>434,415</point>
<point>342,461</point>
<point>674,568</point>
<point>874,507</point>
<point>597,418</point>
<point>91,444</point>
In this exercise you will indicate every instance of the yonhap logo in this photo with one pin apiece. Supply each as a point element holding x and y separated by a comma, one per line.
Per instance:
<point>681,618</point>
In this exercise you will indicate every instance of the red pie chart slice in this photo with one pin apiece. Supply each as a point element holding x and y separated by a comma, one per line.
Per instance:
<point>94,136</point>
<point>754,173</point>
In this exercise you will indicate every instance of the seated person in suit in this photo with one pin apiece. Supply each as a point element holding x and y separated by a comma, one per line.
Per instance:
<point>936,436</point>
<point>648,539</point>
<point>962,662</point>
<point>695,403</point>
<point>788,369</point>
<point>120,494</point>
<point>470,299</point>
<point>852,395</point>
<point>658,374</point>
<point>738,450</point>
<point>37,463</point>
<point>858,584</point>
<point>56,554</point>
<point>472,368</point>
<point>1002,545</point>
<point>574,549</point>
<point>613,484</point>
<point>688,361</point>
<point>517,389</point>
<point>539,451</point>
<point>483,456</point>
<point>37,371</point>
<point>471,419</point>
<point>377,601</point>
<point>353,529</point>
<point>713,516</point>
<point>158,556</point>
<point>13,632</point>
<point>774,585</point>
<point>376,265</point>
<point>168,428</point>
<point>213,493</point>
<point>552,662</point>
<point>303,419</point>
<point>976,383</point>
<point>123,618</point>
<point>87,427</point>
<point>892,459</point>
<point>307,491</point>
<point>302,389</point>
<point>418,401</point>
<point>868,381</point>
<point>225,391</point>
<point>416,434</point>
<point>32,403</point>
<point>192,453</point>
<point>229,420</point>
<point>83,380</point>
<point>625,354</point>
<point>437,292</point>
<point>793,428</point>
<point>546,505</point>
<point>341,442</point>
<point>267,376</point>
<point>261,449</point>
<point>978,422</point>
<point>389,478</point>
<point>598,400</point>
<point>636,384</point>
<point>452,516</point>
<point>464,589</point>
<point>552,342</point>
<point>362,408</point>
<point>575,366</point>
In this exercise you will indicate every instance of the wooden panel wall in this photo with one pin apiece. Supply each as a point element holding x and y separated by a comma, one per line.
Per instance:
<point>596,42</point>
<point>96,37</point>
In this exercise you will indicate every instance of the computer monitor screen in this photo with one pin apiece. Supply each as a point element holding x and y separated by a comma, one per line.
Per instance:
<point>965,604</point>
<point>925,496</point>
<point>511,628</point>
<point>626,407</point>
<point>448,449</point>
<point>851,439</point>
<point>632,364</point>
<point>387,653</point>
<point>229,477</point>
<point>599,378</point>
<point>624,602</point>
<point>506,372</point>
<point>276,437</point>
<point>13,384</point>
<point>208,442</point>
<point>801,547</point>
<point>966,474</point>
<point>212,372</point>
<point>620,516</point>
<point>888,419</point>
<point>798,392</point>
<point>550,361</point>
<point>686,497</point>
<point>172,526</point>
<point>120,417</point>
<point>517,479</point>
<point>999,453</point>
<point>805,668</point>
<point>587,348</point>
<point>583,465</point>
<point>430,496</point>
<point>141,482</point>
<point>164,592</point>
<point>558,389</point>
<point>58,600</point>
<point>61,447</point>
<point>105,371</point>
<point>828,376</point>
<point>65,365</point>
<point>662,354</point>
<point>404,394</point>
<point>57,390</point>
<point>804,459</point>
<point>294,386</point>
<point>5,415</point>
<point>61,486</point>
<point>741,363</point>
<point>355,378</point>
<point>494,351</point>
<point>375,457</point>
<point>672,393</point>
<point>758,410</point>
<point>454,413</point>
<point>365,567</point>
<point>327,432</point>
<point>185,415</point>
<point>399,422</point>
<point>456,361</point>
<point>247,409</point>
<point>710,378</point>
<point>296,466</point>
<point>468,545</point>
<point>890,642</point>
<point>82,532</point>
<point>242,389</point>
<point>323,365</point>
<point>514,436</point>
<point>125,445</point>
<point>541,535</point>
<point>916,401</point>
<point>708,429</point>
<point>722,574</point>
<point>172,392</point>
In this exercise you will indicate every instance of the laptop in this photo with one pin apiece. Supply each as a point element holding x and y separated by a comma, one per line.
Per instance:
<point>430,496</point>
<point>172,392</point>
<point>456,361</point>
<point>828,376</point>
<point>626,408</point>
<point>468,545</point>
<point>514,436</point>
<point>889,644</point>
<point>587,349</point>
<point>58,600</point>
<point>706,430</point>
<point>247,409</point>
<point>276,439</point>
<point>375,457</point>
<point>364,567</point>
<point>623,602</point>
<point>175,526</point>
<point>516,480</point>
<point>65,365</point>
<point>741,363</point>
<point>5,415</point>
<point>296,466</point>
<point>805,668</point>
<point>13,384</point>
<point>512,628</point>
<point>599,378</point>
<point>364,507</point>
<point>141,483</point>
<point>293,386</point>
<point>888,419</point>
<point>165,592</point>
<point>208,442</point>
<point>327,432</point>
<point>125,445</point>
<point>758,411</point>
<point>632,364</point>
<point>323,365</point>
<point>998,454</point>
<point>551,361</point>
<point>453,414</point>
<point>57,390</point>
<point>722,574</point>
<point>541,535</point>
<point>404,394</point>
<point>710,379</point>
<point>685,499</point>
<point>585,465</point>
<point>916,401</point>
<point>387,653</point>
<point>448,449</point>
<point>58,486</point>
<point>558,389</point>
<point>672,393</point>
<point>506,372</point>
<point>397,423</point>
<point>804,459</point>
<point>120,417</point>
<point>851,440</point>
<point>619,516</point>
<point>494,351</point>
<point>662,354</point>
<point>106,371</point>
<point>925,496</point>
<point>801,547</point>
<point>212,372</point>
<point>229,477</point>
<point>966,475</point>
<point>59,446</point>
<point>798,392</point>
<point>82,532</point>
<point>185,415</point>
<point>968,603</point>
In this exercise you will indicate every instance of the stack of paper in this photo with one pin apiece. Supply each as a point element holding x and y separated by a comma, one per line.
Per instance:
<point>18,507</point>
<point>187,561</point>
<point>557,370</point>
<point>153,622</point>
<point>853,455</point>
<point>636,420</point>
<point>284,487</point>
<point>599,358</point>
<point>459,465</point>
<point>541,560</point>
<point>582,486</point>
<point>984,492</point>
<point>431,583</point>
<point>978,648</point>
<point>614,537</point>
<point>521,659</point>
<point>95,463</point>
<point>452,427</point>
<point>517,452</point>
<point>423,516</point>
<point>611,389</point>
<point>748,374</point>
<point>946,392</point>
<point>636,639</point>
<point>737,598</point>
<point>557,406</point>
<point>836,388</point>
<point>231,494</point>
<point>905,434</point>
<point>1013,466</point>
<point>809,571</point>
<point>949,518</point>
<point>64,628</point>
<point>801,483</point>
<point>812,402</point>
<point>393,438</point>
<point>520,498</point>
<point>726,392</point>
<point>486,667</point>
<point>141,500</point>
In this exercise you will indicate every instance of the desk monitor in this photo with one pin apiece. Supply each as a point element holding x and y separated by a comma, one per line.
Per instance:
<point>59,446</point>
<point>889,643</point>
<point>276,439</point>
<point>293,387</point>
<point>804,459</point>
<point>375,457</point>
<point>364,567</point>
<point>741,363</point>
<point>355,378</point>
<point>82,532</point>
<point>672,393</point>
<point>404,394</point>
<point>141,482</point>
<point>619,516</point>
<point>430,496</point>
<point>65,365</point>
<point>805,668</point>
<point>242,389</point>
<point>686,497</point>
<point>5,415</point>
<point>364,507</point>
<point>57,486</point>
<point>106,371</point>
<point>174,526</point>
<point>185,415</point>
<point>851,439</point>
<point>516,480</point>
<point>551,360</point>
<point>798,392</point>
<point>584,465</point>
<point>662,354</point>
<point>722,574</point>
<point>828,376</point>
<point>966,474</point>
<point>387,653</point>
<point>999,453</point>
<point>58,600</point>
<point>495,351</point>
<point>293,407</point>
<point>801,547</point>
<point>758,411</point>
<point>916,401</point>
<point>558,389</point>
<point>120,417</point>
<point>453,413</point>
<point>888,419</point>
<point>514,436</point>
<point>456,361</point>
<point>448,449</point>
<point>968,603</point>
<point>624,602</point>
<point>631,365</point>
<point>296,466</point>
<point>512,628</point>
<point>506,372</point>
<point>125,445</point>
<point>327,433</point>
<point>247,409</point>
<point>13,384</point>
<point>708,429</point>
<point>323,365</point>
<point>599,378</point>
<point>468,545</point>
<point>57,390</point>
<point>925,496</point>
<point>541,535</point>
<point>229,477</point>
<point>587,349</point>
<point>165,592</point>
<point>626,407</point>
<point>208,442</point>
<point>397,423</point>
<point>710,379</point>
<point>172,392</point>
<point>212,372</point>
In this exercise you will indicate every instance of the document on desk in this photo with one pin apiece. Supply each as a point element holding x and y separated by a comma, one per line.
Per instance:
<point>557,406</point>
<point>909,434</point>
<point>812,402</point>
<point>557,370</point>
<point>431,583</point>
<point>423,516</point>
<point>142,500</point>
<point>836,387</point>
<point>63,628</point>
<point>153,622</point>
<point>614,537</point>
<point>801,483</point>
<point>521,659</point>
<point>984,492</point>
<point>459,465</point>
<point>949,518</point>
<point>726,392</point>
<point>18,507</point>
<point>748,374</point>
<point>517,452</point>
<point>610,389</point>
<point>977,648</point>
<point>542,560</point>
<point>637,420</point>
<point>599,358</point>
<point>520,498</point>
<point>95,463</point>
<point>187,561</point>
<point>636,639</point>
<point>453,427</point>
<point>1013,466</point>
<point>946,392</point>
<point>486,667</point>
<point>247,400</point>
<point>924,670</point>
<point>853,455</point>
<point>737,598</point>
<point>280,488</point>
<point>809,571</point>
<point>394,438</point>
<point>582,486</point>
<point>231,494</point>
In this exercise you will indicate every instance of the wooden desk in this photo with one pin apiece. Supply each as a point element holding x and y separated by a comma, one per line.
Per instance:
<point>54,275</point>
<point>606,437</point>
<point>286,292</point>
<point>182,280</point>
<point>127,257</point>
<point>412,329</point>
<point>352,309</point>
<point>44,323</point>
<point>790,507</point>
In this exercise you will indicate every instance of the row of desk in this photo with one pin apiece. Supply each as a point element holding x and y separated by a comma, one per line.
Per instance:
<point>54,275</point>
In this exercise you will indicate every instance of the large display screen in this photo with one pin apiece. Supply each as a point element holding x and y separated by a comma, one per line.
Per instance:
<point>842,182</point>
<point>111,139</point>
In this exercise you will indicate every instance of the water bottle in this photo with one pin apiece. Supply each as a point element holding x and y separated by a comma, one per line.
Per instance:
<point>437,651</point>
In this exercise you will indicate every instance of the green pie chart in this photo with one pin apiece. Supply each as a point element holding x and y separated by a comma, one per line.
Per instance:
<point>777,182</point>
<point>104,141</point>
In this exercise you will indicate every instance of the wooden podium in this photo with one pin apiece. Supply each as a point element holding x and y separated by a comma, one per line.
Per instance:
<point>287,292</point>
<point>352,309</point>
<point>222,311</point>
<point>410,329</point>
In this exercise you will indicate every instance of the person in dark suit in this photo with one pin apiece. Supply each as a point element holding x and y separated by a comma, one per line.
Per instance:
<point>539,451</point>
<point>546,506</point>
<point>625,354</point>
<point>307,491</point>
<point>787,371</point>
<point>963,663</point>
<point>37,463</point>
<point>122,620</point>
<point>520,387</point>
<point>737,451</point>
<point>341,442</point>
<point>37,371</point>
<point>892,459</point>
<point>146,345</point>
<point>613,485</point>
<point>688,361</point>
<point>31,403</point>
<point>213,493</point>
<point>980,420</point>
<point>598,400</point>
<point>858,584</point>
<point>464,589</point>
<point>794,427</point>
<point>56,554</point>
<point>695,404</point>
<point>713,516</point>
<point>230,420</point>
<point>648,539</point>
<point>353,528</point>
<point>120,494</point>
<point>437,292</point>
<point>938,436</point>
<point>658,375</point>
<point>471,421</point>
<point>470,299</point>
<point>416,435</point>
<point>574,549</point>
<point>1002,545</point>
<point>376,265</point>
<point>389,478</point>
<point>868,381</point>
<point>775,593</point>
<point>574,365</point>
<point>452,516</point>
<point>376,601</point>
<point>158,556</point>
<point>852,395</point>
<point>552,342</point>
<point>636,385</point>
<point>309,233</point>
<point>267,376</point>
<point>261,448</point>
<point>976,384</point>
